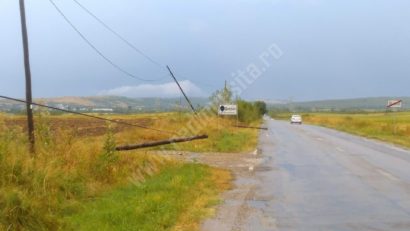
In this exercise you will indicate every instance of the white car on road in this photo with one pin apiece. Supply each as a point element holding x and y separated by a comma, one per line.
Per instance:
<point>296,119</point>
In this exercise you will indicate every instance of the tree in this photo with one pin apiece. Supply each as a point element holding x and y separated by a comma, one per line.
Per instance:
<point>261,107</point>
<point>222,96</point>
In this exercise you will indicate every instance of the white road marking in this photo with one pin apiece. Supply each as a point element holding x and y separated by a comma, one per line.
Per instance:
<point>398,149</point>
<point>388,175</point>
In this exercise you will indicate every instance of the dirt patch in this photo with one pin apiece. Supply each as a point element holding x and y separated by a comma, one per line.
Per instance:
<point>239,163</point>
<point>235,209</point>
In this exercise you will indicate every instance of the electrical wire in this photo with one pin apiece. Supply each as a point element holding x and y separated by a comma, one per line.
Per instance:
<point>88,11</point>
<point>87,115</point>
<point>116,66</point>
<point>121,38</point>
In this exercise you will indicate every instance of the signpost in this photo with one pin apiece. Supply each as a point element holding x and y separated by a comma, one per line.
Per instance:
<point>228,109</point>
<point>395,103</point>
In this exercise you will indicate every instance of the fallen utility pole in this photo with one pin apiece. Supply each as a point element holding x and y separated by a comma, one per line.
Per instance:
<point>180,88</point>
<point>158,143</point>
<point>240,126</point>
<point>29,107</point>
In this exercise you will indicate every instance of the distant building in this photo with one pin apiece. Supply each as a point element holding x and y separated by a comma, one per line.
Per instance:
<point>61,106</point>
<point>102,110</point>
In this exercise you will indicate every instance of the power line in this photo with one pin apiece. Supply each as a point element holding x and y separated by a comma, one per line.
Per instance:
<point>88,11</point>
<point>122,38</point>
<point>118,35</point>
<point>96,49</point>
<point>87,115</point>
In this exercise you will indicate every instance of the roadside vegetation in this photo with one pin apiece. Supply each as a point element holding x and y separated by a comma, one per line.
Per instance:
<point>393,127</point>
<point>77,181</point>
<point>38,191</point>
<point>175,199</point>
<point>248,112</point>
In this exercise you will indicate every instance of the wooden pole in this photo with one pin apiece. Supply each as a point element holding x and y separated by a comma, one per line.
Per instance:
<point>29,107</point>
<point>158,143</point>
<point>180,88</point>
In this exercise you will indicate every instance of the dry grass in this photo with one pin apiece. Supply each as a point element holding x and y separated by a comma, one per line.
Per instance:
<point>203,206</point>
<point>38,192</point>
<point>223,137</point>
<point>390,127</point>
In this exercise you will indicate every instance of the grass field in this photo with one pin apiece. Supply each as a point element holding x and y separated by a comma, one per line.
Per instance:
<point>175,199</point>
<point>222,136</point>
<point>390,127</point>
<point>76,177</point>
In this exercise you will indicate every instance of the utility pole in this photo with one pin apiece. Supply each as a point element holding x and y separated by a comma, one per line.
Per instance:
<point>180,88</point>
<point>30,122</point>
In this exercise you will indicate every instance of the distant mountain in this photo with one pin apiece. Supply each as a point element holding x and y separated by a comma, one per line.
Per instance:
<point>108,103</point>
<point>358,104</point>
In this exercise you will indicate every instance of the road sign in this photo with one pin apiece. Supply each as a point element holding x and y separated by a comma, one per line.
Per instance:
<point>395,103</point>
<point>228,109</point>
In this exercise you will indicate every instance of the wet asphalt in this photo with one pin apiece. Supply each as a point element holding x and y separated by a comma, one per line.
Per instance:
<point>312,178</point>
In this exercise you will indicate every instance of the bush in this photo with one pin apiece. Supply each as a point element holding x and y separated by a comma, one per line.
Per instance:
<point>107,158</point>
<point>250,112</point>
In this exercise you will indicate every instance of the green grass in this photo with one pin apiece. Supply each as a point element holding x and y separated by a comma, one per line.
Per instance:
<point>156,204</point>
<point>228,142</point>
<point>241,140</point>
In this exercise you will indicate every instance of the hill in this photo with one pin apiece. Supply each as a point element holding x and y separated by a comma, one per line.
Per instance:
<point>358,104</point>
<point>108,103</point>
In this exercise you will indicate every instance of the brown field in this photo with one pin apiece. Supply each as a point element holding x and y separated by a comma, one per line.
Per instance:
<point>81,126</point>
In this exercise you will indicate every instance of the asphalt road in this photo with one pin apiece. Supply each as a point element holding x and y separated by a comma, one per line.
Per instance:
<point>313,178</point>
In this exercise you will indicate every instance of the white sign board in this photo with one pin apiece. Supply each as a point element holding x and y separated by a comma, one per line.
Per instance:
<point>397,103</point>
<point>228,109</point>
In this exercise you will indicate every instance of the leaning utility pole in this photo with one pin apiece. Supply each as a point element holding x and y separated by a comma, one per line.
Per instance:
<point>180,88</point>
<point>29,108</point>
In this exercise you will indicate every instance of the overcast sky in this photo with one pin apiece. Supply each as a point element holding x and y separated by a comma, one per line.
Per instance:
<point>328,48</point>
